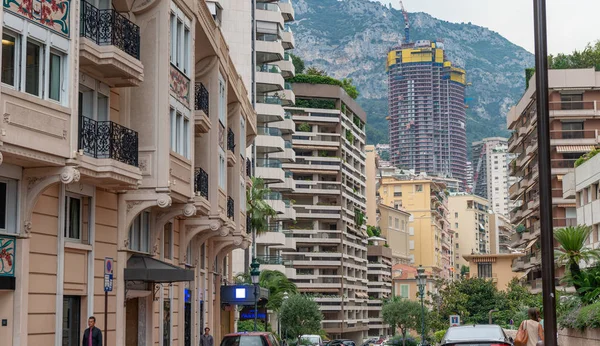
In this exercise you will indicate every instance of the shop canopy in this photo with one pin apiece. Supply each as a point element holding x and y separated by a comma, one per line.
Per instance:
<point>148,269</point>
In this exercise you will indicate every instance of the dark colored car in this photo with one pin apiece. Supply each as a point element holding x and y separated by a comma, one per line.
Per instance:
<point>476,335</point>
<point>342,342</point>
<point>370,341</point>
<point>249,339</point>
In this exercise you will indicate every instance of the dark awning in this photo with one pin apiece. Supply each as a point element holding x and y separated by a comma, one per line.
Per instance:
<point>148,269</point>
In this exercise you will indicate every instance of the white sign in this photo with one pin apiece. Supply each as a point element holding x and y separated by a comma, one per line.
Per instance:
<point>454,320</point>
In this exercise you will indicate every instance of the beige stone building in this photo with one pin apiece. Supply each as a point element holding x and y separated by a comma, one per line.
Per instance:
<point>495,267</point>
<point>574,130</point>
<point>469,218</point>
<point>395,228</point>
<point>501,233</point>
<point>124,136</point>
<point>404,279</point>
<point>430,235</point>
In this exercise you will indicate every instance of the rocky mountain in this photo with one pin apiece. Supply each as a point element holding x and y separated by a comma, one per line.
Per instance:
<point>351,38</point>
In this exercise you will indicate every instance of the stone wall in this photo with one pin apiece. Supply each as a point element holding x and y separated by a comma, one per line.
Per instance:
<point>574,337</point>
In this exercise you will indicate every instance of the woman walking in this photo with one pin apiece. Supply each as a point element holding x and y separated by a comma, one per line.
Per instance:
<point>533,328</point>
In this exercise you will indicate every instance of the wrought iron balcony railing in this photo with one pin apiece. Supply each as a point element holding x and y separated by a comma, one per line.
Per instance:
<point>201,182</point>
<point>230,140</point>
<point>201,96</point>
<point>248,224</point>
<point>108,140</point>
<point>248,167</point>
<point>110,28</point>
<point>230,207</point>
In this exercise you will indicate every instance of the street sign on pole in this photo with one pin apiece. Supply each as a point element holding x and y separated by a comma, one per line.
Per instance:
<point>108,274</point>
<point>108,287</point>
<point>454,320</point>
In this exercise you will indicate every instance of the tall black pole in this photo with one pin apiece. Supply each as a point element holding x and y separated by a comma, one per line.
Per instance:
<point>545,176</point>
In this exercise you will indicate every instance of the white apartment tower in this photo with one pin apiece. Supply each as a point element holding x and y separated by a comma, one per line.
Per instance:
<point>326,245</point>
<point>491,178</point>
<point>258,37</point>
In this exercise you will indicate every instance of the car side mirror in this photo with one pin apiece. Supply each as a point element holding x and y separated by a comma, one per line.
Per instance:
<point>511,339</point>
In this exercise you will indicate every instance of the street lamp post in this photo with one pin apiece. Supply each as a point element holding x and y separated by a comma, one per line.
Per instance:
<point>285,298</point>
<point>421,282</point>
<point>255,275</point>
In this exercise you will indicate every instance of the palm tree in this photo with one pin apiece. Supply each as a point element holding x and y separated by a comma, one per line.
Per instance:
<point>257,209</point>
<point>573,250</point>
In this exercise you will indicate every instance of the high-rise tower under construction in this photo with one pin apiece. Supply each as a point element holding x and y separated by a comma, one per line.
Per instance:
<point>427,113</point>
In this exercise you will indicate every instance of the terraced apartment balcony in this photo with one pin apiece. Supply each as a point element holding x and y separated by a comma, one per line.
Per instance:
<point>287,10</point>
<point>287,155</point>
<point>268,78</point>
<point>269,48</point>
<point>270,170</point>
<point>269,140</point>
<point>110,46</point>
<point>574,137</point>
<point>287,38</point>
<point>269,108</point>
<point>202,121</point>
<point>286,65</point>
<point>110,153</point>
<point>269,12</point>
<point>574,109</point>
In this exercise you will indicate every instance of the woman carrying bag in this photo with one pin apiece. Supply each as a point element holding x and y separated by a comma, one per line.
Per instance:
<point>530,331</point>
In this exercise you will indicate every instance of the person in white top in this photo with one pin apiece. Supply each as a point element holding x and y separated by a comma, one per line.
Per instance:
<point>535,331</point>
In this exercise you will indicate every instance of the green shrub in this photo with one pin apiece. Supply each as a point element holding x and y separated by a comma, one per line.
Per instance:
<point>304,127</point>
<point>580,161</point>
<point>315,103</point>
<point>439,335</point>
<point>397,341</point>
<point>345,83</point>
<point>349,136</point>
<point>588,317</point>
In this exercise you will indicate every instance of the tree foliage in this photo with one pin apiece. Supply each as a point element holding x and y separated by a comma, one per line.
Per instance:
<point>298,64</point>
<point>572,250</point>
<point>257,208</point>
<point>273,280</point>
<point>300,315</point>
<point>473,298</point>
<point>373,231</point>
<point>402,313</point>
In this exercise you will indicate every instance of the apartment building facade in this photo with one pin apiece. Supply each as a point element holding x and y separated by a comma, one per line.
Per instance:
<point>573,131</point>
<point>379,274</point>
<point>404,280</point>
<point>430,235</point>
<point>326,245</point>
<point>491,175</point>
<point>494,267</point>
<point>582,185</point>
<point>469,219</point>
<point>264,64</point>
<point>122,139</point>
<point>372,172</point>
<point>501,233</point>
<point>394,225</point>
<point>427,112</point>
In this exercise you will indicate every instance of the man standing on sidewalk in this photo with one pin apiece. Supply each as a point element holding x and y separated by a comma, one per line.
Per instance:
<point>92,336</point>
<point>206,339</point>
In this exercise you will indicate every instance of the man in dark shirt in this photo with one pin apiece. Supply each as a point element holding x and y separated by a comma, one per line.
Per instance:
<point>96,335</point>
<point>206,339</point>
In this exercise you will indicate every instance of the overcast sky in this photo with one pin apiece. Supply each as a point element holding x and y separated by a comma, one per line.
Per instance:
<point>571,23</point>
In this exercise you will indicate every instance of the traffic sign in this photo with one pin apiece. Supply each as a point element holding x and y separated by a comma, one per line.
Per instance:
<point>108,274</point>
<point>454,320</point>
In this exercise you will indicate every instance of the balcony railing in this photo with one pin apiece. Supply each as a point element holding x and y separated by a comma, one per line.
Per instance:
<point>573,134</point>
<point>564,222</point>
<point>201,96</point>
<point>201,182</point>
<point>268,163</point>
<point>269,260</point>
<point>268,131</point>
<point>108,140</point>
<point>110,28</point>
<point>572,105</point>
<point>230,140</point>
<point>563,163</point>
<point>230,208</point>
<point>248,168</point>
<point>268,68</point>
<point>268,99</point>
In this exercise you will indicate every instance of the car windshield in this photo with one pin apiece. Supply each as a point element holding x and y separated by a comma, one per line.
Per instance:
<point>311,339</point>
<point>474,333</point>
<point>243,340</point>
